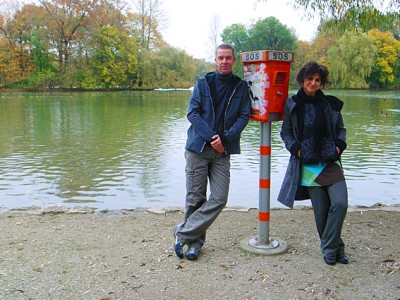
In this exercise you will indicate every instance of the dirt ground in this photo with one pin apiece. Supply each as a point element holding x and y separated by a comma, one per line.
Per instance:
<point>56,253</point>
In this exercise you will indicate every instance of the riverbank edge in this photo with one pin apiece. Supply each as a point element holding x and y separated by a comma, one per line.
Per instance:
<point>56,209</point>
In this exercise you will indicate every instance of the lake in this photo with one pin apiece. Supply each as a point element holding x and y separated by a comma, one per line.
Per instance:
<point>125,150</point>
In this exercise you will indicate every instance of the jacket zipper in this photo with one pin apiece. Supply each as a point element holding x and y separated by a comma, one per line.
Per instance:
<point>229,102</point>
<point>212,106</point>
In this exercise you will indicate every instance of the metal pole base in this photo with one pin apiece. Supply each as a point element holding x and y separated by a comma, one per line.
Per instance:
<point>274,247</point>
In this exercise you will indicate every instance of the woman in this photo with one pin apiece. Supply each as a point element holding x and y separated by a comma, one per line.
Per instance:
<point>314,134</point>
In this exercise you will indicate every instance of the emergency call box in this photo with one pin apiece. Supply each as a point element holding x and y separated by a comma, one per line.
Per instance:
<point>267,72</point>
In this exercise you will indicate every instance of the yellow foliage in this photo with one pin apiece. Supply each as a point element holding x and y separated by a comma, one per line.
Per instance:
<point>388,53</point>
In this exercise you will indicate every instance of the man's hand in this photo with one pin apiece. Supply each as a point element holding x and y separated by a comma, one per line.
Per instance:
<point>217,144</point>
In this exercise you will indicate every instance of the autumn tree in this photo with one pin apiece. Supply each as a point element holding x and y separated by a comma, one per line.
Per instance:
<point>115,61</point>
<point>146,21</point>
<point>64,20</point>
<point>387,60</point>
<point>317,49</point>
<point>15,59</point>
<point>106,26</point>
<point>90,44</point>
<point>303,54</point>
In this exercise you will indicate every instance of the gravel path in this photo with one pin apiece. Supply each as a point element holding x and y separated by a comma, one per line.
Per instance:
<point>81,254</point>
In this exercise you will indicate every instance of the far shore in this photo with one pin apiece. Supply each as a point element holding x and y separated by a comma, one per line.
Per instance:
<point>79,89</point>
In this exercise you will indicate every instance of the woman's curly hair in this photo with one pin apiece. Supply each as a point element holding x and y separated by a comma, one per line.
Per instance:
<point>311,68</point>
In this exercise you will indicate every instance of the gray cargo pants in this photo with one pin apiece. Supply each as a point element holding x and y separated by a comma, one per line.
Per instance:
<point>200,213</point>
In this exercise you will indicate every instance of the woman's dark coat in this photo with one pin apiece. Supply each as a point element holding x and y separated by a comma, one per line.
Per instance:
<point>291,189</point>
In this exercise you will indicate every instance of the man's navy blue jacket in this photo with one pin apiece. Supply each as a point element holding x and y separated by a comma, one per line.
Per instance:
<point>202,117</point>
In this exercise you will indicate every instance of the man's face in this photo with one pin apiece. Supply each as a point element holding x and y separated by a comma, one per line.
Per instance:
<point>224,60</point>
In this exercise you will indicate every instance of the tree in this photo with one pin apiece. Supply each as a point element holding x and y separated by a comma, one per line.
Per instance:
<point>351,60</point>
<point>265,34</point>
<point>115,62</point>
<point>169,68</point>
<point>64,20</point>
<point>236,35</point>
<point>325,39</point>
<point>361,14</point>
<point>9,67</point>
<point>214,35</point>
<point>316,50</point>
<point>90,44</point>
<point>271,34</point>
<point>45,72</point>
<point>302,55</point>
<point>147,20</point>
<point>87,46</point>
<point>383,72</point>
<point>15,30</point>
<point>145,27</point>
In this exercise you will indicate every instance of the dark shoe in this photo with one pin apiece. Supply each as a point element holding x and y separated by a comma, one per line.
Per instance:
<point>192,253</point>
<point>342,259</point>
<point>178,248</point>
<point>330,260</point>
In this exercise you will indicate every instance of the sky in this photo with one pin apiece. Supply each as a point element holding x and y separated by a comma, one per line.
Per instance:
<point>187,24</point>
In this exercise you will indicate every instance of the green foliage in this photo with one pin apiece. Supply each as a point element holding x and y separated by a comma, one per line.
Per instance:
<point>348,15</point>
<point>236,35</point>
<point>265,34</point>
<point>43,79</point>
<point>271,34</point>
<point>351,60</point>
<point>168,68</point>
<point>41,56</point>
<point>115,60</point>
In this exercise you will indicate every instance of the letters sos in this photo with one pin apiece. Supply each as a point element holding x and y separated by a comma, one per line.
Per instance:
<point>285,56</point>
<point>272,55</point>
<point>253,56</point>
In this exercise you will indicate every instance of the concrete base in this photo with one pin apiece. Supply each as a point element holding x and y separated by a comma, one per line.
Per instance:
<point>274,247</point>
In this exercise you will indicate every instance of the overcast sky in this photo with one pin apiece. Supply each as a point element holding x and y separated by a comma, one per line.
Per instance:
<point>188,21</point>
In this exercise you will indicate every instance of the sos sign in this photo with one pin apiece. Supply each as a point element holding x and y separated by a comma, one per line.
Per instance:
<point>272,55</point>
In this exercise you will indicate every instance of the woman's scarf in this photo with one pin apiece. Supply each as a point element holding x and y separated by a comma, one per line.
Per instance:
<point>320,126</point>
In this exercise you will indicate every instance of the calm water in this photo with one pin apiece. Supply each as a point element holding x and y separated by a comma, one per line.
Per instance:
<point>125,150</point>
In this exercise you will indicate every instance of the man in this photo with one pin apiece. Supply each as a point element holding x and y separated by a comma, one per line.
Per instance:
<point>219,110</point>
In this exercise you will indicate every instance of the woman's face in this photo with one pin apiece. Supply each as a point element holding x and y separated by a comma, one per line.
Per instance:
<point>312,84</point>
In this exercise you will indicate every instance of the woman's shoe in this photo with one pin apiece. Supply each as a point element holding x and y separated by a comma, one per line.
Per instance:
<point>330,260</point>
<point>342,259</point>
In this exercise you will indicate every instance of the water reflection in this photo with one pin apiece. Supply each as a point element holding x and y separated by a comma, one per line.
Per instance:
<point>125,150</point>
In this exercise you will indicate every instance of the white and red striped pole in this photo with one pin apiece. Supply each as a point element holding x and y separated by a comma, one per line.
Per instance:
<point>264,244</point>
<point>264,184</point>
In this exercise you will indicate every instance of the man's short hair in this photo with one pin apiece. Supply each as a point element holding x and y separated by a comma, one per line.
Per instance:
<point>225,46</point>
